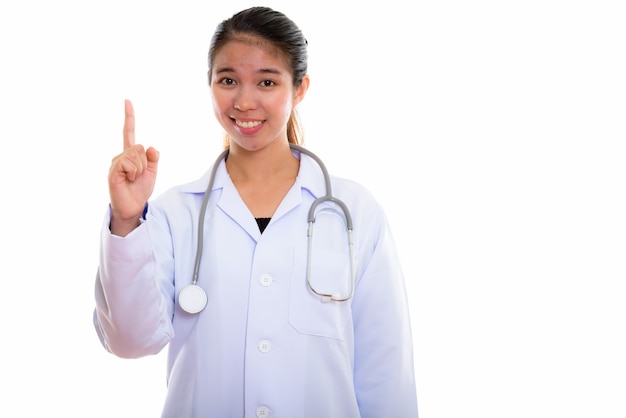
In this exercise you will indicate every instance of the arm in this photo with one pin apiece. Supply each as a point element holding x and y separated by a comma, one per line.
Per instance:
<point>384,370</point>
<point>132,317</point>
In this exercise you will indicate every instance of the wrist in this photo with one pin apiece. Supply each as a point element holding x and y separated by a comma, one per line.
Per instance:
<point>122,226</point>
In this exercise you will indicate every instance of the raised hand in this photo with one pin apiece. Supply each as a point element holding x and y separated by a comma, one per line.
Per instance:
<point>132,177</point>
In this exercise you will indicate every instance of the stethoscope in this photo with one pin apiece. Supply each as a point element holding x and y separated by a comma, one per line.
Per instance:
<point>193,299</point>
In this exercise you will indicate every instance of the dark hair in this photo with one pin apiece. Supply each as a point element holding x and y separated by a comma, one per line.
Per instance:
<point>281,32</point>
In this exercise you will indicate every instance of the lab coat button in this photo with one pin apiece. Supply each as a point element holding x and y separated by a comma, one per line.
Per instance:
<point>262,412</point>
<point>265,346</point>
<point>266,279</point>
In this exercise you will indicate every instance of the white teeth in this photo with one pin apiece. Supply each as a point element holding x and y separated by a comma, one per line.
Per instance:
<point>247,124</point>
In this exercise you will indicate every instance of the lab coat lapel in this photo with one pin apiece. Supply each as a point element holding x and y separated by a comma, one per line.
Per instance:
<point>232,204</point>
<point>309,178</point>
<point>290,201</point>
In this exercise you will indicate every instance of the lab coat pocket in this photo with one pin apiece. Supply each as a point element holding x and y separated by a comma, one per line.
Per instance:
<point>312,314</point>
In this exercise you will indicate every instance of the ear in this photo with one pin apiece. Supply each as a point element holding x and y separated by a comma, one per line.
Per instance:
<point>301,90</point>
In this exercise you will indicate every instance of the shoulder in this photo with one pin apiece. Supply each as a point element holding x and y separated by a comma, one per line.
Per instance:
<point>182,195</point>
<point>366,211</point>
<point>356,192</point>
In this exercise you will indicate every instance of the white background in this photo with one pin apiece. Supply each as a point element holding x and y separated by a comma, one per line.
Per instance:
<point>491,131</point>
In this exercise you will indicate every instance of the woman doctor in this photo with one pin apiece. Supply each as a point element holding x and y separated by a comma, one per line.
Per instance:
<point>264,341</point>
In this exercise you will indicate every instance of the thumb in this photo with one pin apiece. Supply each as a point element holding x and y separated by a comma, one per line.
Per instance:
<point>152,155</point>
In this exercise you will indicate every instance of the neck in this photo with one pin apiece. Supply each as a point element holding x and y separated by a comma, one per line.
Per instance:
<point>268,163</point>
<point>263,177</point>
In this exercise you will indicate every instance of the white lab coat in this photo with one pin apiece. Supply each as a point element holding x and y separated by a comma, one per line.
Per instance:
<point>265,345</point>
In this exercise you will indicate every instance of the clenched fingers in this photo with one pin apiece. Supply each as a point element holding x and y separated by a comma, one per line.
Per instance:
<point>131,163</point>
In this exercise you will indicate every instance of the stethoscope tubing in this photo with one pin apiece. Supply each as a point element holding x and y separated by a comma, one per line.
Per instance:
<point>205,202</point>
<point>196,298</point>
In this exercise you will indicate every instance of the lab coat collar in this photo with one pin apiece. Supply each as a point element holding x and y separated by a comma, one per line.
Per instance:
<point>309,177</point>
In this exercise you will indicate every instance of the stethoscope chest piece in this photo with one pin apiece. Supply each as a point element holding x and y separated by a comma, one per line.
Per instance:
<point>192,298</point>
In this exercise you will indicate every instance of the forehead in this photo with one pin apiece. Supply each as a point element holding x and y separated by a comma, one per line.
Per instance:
<point>251,51</point>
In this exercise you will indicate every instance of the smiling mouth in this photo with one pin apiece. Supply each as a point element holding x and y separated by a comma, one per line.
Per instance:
<point>247,125</point>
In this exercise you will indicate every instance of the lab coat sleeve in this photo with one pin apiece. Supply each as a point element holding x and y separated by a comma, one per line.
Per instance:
<point>384,365</point>
<point>131,315</point>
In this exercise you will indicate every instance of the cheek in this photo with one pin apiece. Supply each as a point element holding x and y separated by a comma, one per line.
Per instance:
<point>285,105</point>
<point>216,100</point>
<point>219,102</point>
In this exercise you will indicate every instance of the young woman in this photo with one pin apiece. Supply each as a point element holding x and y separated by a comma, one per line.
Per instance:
<point>268,308</point>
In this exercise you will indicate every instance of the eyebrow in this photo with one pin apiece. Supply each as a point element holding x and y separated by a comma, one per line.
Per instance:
<point>261,71</point>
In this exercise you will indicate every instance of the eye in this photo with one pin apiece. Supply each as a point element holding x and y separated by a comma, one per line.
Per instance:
<point>267,83</point>
<point>227,81</point>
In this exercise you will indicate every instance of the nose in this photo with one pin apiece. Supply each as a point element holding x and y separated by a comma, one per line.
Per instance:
<point>245,99</point>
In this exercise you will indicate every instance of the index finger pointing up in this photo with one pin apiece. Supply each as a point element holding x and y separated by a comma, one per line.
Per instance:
<point>129,124</point>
